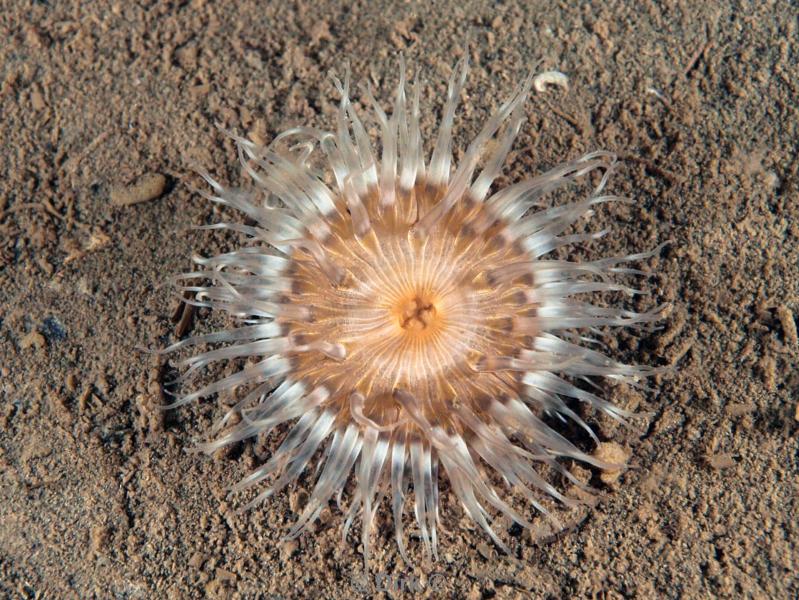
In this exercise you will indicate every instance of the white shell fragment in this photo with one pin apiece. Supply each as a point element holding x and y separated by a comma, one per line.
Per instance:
<point>542,80</point>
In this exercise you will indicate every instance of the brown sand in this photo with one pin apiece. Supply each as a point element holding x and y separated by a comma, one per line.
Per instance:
<point>98,495</point>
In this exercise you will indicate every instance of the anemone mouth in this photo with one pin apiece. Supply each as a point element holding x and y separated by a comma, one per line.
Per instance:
<point>407,321</point>
<point>412,313</point>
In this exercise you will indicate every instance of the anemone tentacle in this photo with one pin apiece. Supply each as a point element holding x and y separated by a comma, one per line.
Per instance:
<point>404,316</point>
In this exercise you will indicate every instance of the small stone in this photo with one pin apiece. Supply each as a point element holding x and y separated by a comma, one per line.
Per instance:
<point>197,560</point>
<point>785,315</point>
<point>100,537</point>
<point>288,549</point>
<point>738,409</point>
<point>225,575</point>
<point>37,101</point>
<point>148,187</point>
<point>33,339</point>
<point>484,550</point>
<point>295,501</point>
<point>611,452</point>
<point>721,461</point>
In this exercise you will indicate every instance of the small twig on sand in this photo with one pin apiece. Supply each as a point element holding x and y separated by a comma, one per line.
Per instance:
<point>698,55</point>
<point>184,316</point>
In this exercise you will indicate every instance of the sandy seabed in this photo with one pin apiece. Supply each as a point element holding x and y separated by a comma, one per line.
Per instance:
<point>104,107</point>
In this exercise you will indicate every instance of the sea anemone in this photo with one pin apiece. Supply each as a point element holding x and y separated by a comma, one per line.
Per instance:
<point>401,317</point>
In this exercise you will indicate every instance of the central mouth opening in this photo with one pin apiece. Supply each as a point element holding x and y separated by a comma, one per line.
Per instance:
<point>417,314</point>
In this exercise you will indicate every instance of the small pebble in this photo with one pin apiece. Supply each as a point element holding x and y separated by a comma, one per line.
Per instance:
<point>37,101</point>
<point>785,315</point>
<point>288,548</point>
<point>148,187</point>
<point>33,339</point>
<point>721,461</point>
<point>611,452</point>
